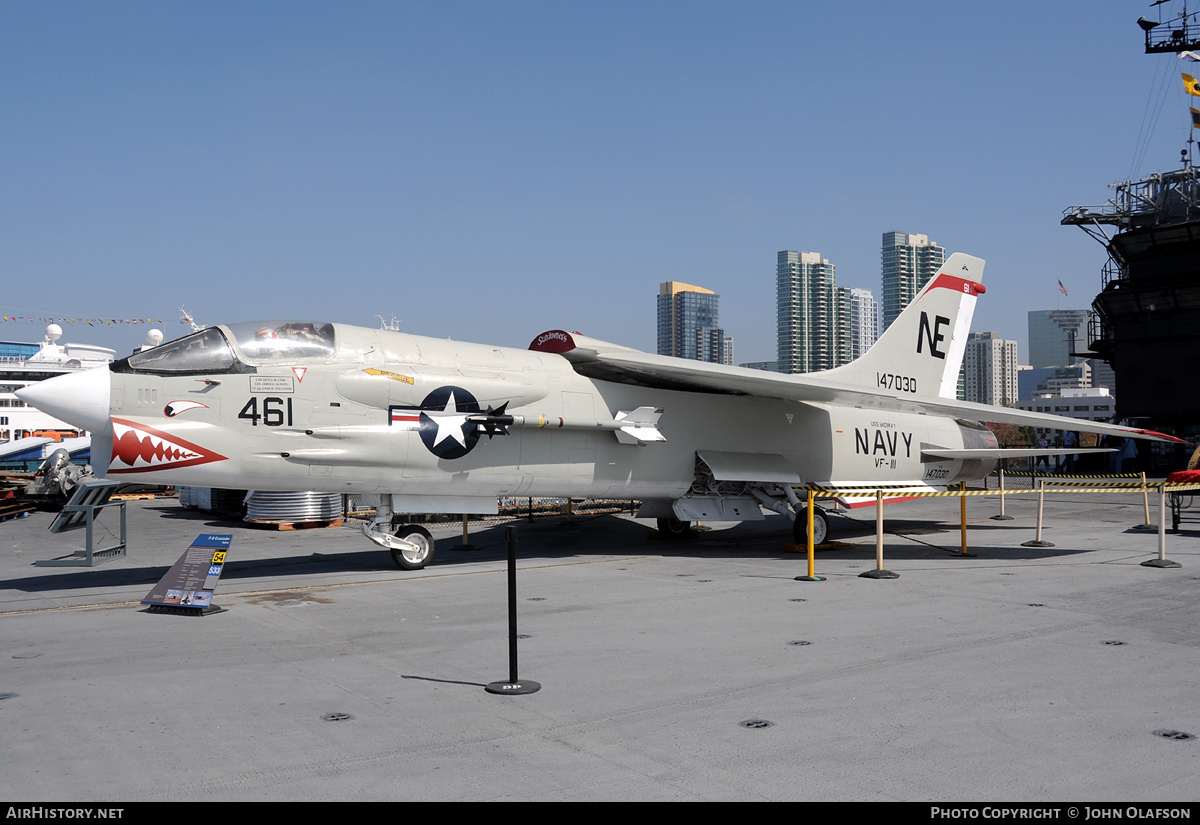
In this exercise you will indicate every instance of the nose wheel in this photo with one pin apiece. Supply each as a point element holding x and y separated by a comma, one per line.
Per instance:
<point>413,547</point>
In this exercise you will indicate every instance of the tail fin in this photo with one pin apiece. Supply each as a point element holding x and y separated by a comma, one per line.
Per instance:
<point>922,351</point>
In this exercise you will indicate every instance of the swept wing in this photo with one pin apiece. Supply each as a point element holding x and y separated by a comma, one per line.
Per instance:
<point>913,367</point>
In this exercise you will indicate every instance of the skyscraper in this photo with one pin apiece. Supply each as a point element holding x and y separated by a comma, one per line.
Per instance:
<point>805,302</point>
<point>990,369</point>
<point>819,324</point>
<point>713,345</point>
<point>909,261</point>
<point>863,322</point>
<point>688,325</point>
<point>1054,334</point>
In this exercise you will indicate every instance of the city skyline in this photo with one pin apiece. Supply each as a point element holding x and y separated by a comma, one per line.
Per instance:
<point>820,325</point>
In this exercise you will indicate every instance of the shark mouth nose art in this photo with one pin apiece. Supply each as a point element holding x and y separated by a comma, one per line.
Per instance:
<point>138,448</point>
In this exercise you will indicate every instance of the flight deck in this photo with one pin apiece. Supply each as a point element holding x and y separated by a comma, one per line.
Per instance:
<point>670,670</point>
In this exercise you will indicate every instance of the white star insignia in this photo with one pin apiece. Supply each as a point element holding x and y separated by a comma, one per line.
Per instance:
<point>449,423</point>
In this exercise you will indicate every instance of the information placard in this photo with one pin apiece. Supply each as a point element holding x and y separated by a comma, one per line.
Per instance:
<point>191,582</point>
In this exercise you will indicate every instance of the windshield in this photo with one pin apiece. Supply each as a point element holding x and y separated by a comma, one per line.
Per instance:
<point>283,340</point>
<point>205,351</point>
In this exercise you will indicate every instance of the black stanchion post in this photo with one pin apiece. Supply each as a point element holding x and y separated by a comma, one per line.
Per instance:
<point>513,685</point>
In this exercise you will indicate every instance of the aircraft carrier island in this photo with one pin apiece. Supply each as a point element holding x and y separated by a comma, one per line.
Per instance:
<point>1146,319</point>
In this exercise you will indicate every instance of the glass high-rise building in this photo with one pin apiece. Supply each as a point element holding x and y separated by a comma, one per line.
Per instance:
<point>689,324</point>
<point>909,261</point>
<point>806,309</point>
<point>1056,333</point>
<point>819,325</point>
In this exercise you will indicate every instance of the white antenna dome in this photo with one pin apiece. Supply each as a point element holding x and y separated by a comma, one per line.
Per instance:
<point>53,333</point>
<point>154,337</point>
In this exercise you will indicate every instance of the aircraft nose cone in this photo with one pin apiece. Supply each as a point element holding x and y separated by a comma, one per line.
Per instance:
<point>79,398</point>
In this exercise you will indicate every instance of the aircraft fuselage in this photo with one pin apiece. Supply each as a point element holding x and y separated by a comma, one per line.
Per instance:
<point>386,412</point>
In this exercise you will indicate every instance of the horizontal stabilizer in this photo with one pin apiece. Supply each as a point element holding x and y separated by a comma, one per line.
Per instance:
<point>1011,452</point>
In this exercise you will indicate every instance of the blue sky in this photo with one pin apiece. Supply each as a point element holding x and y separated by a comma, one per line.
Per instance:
<point>489,170</point>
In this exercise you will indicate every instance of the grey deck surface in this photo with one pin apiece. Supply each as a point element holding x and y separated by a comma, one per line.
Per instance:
<point>987,678</point>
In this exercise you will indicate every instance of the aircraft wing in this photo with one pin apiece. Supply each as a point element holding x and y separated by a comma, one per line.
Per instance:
<point>613,363</point>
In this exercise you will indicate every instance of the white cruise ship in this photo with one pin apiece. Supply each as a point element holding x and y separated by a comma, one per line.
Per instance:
<point>22,364</point>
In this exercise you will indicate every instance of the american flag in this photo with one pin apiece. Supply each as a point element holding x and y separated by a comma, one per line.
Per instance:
<point>1062,288</point>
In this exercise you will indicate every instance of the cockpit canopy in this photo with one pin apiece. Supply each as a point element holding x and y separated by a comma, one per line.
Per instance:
<point>253,342</point>
<point>270,340</point>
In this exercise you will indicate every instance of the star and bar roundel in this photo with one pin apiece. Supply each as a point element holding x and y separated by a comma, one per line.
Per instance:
<point>441,421</point>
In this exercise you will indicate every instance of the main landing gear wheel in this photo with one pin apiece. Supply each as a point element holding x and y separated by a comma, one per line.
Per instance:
<point>419,550</point>
<point>673,528</point>
<point>820,527</point>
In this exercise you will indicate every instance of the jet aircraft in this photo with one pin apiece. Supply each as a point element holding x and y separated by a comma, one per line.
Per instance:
<point>417,424</point>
